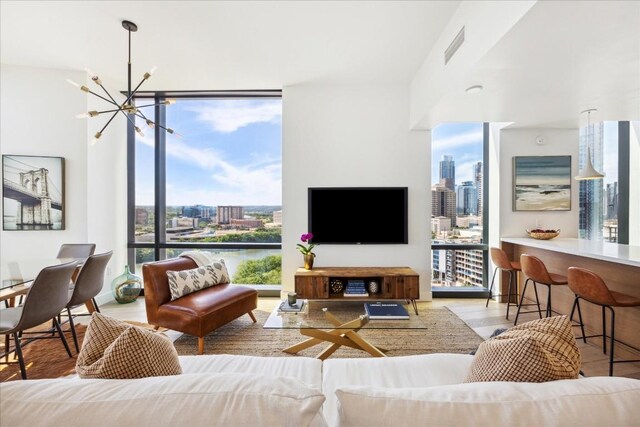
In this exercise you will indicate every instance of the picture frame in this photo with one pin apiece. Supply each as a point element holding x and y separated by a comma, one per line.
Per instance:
<point>33,196</point>
<point>542,183</point>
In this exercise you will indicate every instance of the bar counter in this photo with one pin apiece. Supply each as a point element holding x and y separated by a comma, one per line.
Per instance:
<point>618,265</point>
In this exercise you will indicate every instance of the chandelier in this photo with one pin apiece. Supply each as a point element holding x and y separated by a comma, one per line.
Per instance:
<point>127,108</point>
<point>588,172</point>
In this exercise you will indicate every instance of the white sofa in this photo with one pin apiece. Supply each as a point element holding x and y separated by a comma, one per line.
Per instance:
<point>297,391</point>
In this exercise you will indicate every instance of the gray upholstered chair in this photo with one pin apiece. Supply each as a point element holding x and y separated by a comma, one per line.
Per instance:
<point>48,295</point>
<point>88,284</point>
<point>76,250</point>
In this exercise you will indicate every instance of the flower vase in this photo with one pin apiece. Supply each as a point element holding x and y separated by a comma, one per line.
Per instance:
<point>308,261</point>
<point>127,287</point>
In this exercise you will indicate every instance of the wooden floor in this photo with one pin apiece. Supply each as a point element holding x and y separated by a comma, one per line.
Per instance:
<point>472,311</point>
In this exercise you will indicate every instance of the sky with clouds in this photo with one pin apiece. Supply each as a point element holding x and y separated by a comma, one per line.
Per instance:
<point>463,141</point>
<point>230,153</point>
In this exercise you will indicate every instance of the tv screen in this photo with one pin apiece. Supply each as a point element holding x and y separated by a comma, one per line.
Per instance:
<point>358,215</point>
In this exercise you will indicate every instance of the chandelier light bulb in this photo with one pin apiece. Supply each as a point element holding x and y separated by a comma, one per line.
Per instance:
<point>169,101</point>
<point>150,124</point>
<point>72,83</point>
<point>96,137</point>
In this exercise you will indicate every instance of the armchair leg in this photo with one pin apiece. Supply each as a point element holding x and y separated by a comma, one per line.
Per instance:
<point>23,369</point>
<point>200,345</point>
<point>252,316</point>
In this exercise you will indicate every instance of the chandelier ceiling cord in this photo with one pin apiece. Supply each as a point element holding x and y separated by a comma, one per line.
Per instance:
<point>127,108</point>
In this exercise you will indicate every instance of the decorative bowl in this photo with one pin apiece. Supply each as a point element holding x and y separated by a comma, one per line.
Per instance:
<point>543,234</point>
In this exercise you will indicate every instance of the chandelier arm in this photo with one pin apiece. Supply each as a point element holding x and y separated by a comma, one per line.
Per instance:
<point>103,98</point>
<point>131,95</point>
<point>152,105</point>
<point>109,121</point>
<point>142,116</point>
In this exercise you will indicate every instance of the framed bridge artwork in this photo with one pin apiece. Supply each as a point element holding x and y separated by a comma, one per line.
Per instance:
<point>32,192</point>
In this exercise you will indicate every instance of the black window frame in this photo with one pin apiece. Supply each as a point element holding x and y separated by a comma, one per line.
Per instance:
<point>160,245</point>
<point>456,292</point>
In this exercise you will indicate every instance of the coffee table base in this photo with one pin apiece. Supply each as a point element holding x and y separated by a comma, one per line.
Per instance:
<point>345,334</point>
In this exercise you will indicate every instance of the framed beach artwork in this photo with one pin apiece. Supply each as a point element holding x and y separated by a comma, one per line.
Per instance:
<point>542,183</point>
<point>32,193</point>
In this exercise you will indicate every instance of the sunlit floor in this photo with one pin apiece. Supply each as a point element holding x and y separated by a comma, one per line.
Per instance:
<point>483,320</point>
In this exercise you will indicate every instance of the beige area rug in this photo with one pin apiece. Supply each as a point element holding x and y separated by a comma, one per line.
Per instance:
<point>445,333</point>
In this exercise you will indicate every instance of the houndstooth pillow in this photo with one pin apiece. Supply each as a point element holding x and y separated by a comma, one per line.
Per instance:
<point>116,350</point>
<point>537,351</point>
<point>184,282</point>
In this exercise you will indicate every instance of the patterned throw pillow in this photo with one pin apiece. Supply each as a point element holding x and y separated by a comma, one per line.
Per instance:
<point>116,350</point>
<point>184,282</point>
<point>537,351</point>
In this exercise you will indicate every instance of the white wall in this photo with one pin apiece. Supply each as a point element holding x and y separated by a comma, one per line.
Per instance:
<point>634,184</point>
<point>38,119</point>
<point>107,193</point>
<point>354,136</point>
<point>521,142</point>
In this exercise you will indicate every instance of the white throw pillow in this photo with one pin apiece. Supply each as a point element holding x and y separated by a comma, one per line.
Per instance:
<point>597,401</point>
<point>184,282</point>
<point>228,399</point>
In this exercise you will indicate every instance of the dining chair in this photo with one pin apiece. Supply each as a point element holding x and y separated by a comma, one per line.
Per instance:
<point>48,295</point>
<point>76,250</point>
<point>88,284</point>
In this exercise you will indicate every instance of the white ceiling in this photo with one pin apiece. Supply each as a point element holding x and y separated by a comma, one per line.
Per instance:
<point>559,59</point>
<point>227,45</point>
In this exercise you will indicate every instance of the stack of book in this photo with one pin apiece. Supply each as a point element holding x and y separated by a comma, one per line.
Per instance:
<point>355,288</point>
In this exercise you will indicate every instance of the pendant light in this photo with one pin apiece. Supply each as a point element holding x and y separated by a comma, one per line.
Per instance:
<point>588,172</point>
<point>127,108</point>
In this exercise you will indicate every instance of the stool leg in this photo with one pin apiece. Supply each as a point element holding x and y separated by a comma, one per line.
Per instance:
<point>576,303</point>
<point>509,293</point>
<point>23,369</point>
<point>548,301</point>
<point>521,298</point>
<point>535,289</point>
<point>604,331</point>
<point>612,340</point>
<point>491,287</point>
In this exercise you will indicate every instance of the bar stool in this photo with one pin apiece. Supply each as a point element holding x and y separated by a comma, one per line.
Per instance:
<point>536,272</point>
<point>588,286</point>
<point>502,262</point>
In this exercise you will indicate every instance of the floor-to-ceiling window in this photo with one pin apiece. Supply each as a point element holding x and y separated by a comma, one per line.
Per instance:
<point>214,184</point>
<point>459,210</point>
<point>604,206</point>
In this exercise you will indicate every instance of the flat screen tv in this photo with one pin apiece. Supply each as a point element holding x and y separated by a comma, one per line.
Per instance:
<point>365,215</point>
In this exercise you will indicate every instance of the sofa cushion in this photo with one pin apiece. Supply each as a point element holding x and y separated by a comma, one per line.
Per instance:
<point>115,349</point>
<point>184,400</point>
<point>185,282</point>
<point>537,351</point>
<point>597,401</point>
<point>404,371</point>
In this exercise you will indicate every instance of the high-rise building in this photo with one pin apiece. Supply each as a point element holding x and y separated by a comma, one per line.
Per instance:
<point>478,180</point>
<point>224,214</point>
<point>612,200</point>
<point>448,172</point>
<point>467,199</point>
<point>197,211</point>
<point>443,202</point>
<point>142,216</point>
<point>277,217</point>
<point>591,197</point>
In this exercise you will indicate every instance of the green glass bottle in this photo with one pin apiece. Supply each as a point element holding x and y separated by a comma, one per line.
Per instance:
<point>127,287</point>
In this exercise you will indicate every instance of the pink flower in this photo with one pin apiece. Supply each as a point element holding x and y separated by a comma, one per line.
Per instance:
<point>306,249</point>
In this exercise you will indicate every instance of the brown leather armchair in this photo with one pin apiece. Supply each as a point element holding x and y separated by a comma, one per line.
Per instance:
<point>198,313</point>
